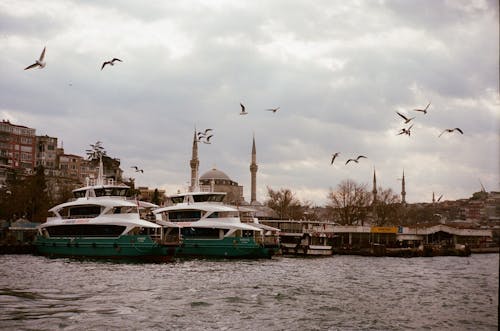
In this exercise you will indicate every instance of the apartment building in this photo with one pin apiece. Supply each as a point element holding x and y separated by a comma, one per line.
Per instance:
<point>17,149</point>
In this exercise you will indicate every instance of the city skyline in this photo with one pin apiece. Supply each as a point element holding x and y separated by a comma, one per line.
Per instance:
<point>336,73</point>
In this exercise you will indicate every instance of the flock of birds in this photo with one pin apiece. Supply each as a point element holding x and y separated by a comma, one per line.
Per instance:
<point>40,63</point>
<point>244,112</point>
<point>206,135</point>
<point>407,131</point>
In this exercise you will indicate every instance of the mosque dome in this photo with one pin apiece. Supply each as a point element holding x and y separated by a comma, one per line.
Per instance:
<point>214,174</point>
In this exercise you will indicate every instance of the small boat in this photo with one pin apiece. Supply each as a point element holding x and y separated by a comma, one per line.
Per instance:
<point>209,228</point>
<point>102,223</point>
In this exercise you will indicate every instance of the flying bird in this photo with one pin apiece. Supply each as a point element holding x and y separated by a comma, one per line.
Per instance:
<point>333,157</point>
<point>207,139</point>
<point>273,109</point>
<point>243,112</point>
<point>111,62</point>
<point>356,159</point>
<point>137,169</point>
<point>203,134</point>
<point>39,63</point>
<point>407,120</point>
<point>423,110</point>
<point>406,131</point>
<point>451,130</point>
<point>206,131</point>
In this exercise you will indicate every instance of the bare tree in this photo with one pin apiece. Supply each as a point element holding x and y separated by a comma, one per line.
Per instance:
<point>284,203</point>
<point>386,208</point>
<point>349,202</point>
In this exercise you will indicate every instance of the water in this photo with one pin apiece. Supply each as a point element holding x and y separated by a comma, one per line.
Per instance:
<point>333,293</point>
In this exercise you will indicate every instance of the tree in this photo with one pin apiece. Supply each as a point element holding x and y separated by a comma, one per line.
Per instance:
<point>156,197</point>
<point>386,208</point>
<point>349,202</point>
<point>39,200</point>
<point>25,196</point>
<point>284,203</point>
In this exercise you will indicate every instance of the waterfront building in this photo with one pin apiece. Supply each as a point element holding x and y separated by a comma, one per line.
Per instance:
<point>46,153</point>
<point>17,148</point>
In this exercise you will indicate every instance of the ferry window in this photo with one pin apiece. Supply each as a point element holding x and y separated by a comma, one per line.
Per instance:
<point>85,230</point>
<point>200,198</point>
<point>83,211</point>
<point>213,215</point>
<point>200,233</point>
<point>79,194</point>
<point>184,215</point>
<point>123,210</point>
<point>177,199</point>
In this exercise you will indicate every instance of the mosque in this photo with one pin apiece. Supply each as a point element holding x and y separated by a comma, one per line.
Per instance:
<point>215,180</point>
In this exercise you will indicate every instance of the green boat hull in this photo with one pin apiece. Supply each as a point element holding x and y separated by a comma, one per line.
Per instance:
<point>224,248</point>
<point>124,247</point>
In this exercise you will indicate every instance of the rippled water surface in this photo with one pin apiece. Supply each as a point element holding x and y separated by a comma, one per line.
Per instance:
<point>333,293</point>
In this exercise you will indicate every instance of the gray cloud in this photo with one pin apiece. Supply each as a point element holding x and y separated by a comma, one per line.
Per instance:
<point>338,70</point>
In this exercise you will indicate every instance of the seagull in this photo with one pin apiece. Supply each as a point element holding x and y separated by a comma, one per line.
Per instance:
<point>39,63</point>
<point>273,109</point>
<point>405,131</point>
<point>207,139</point>
<point>333,157</point>
<point>356,159</point>
<point>407,120</point>
<point>243,112</point>
<point>137,169</point>
<point>423,110</point>
<point>112,62</point>
<point>206,131</point>
<point>451,130</point>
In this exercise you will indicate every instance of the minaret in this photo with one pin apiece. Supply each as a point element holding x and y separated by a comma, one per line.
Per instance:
<point>194,163</point>
<point>374,191</point>
<point>253,172</point>
<point>403,192</point>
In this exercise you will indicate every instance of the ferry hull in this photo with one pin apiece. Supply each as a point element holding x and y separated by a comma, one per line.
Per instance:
<point>125,247</point>
<point>224,248</point>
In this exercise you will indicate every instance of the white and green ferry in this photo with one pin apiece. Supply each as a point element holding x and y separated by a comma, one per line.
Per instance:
<point>102,223</point>
<point>209,228</point>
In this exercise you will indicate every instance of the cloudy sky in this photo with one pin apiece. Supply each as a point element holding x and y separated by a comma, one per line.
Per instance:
<point>338,70</point>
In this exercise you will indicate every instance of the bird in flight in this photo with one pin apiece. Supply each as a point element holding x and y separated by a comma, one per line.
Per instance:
<point>333,157</point>
<point>207,139</point>
<point>137,169</point>
<point>451,130</point>
<point>423,110</point>
<point>356,159</point>
<point>405,131</point>
<point>111,62</point>
<point>273,109</point>
<point>203,134</point>
<point>39,63</point>
<point>407,120</point>
<point>243,112</point>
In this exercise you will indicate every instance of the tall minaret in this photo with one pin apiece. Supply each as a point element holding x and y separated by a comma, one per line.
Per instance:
<point>403,192</point>
<point>194,163</point>
<point>253,172</point>
<point>374,191</point>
